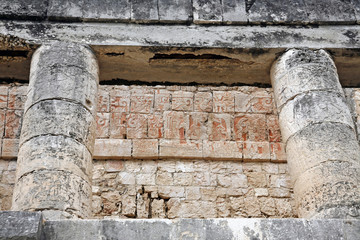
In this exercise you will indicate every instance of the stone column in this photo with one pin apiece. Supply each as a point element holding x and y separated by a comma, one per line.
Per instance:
<point>54,167</point>
<point>321,144</point>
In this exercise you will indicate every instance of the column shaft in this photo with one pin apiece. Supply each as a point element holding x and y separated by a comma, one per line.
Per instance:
<point>54,167</point>
<point>321,143</point>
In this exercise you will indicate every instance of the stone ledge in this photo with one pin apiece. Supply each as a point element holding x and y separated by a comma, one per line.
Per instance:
<point>20,225</point>
<point>203,229</point>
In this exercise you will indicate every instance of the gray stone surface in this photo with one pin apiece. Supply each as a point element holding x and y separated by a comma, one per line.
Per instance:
<point>279,11</point>
<point>13,9</point>
<point>175,10</point>
<point>53,190</point>
<point>234,11</point>
<point>94,10</point>
<point>57,117</point>
<point>20,225</point>
<point>270,229</point>
<point>207,11</point>
<point>330,11</point>
<point>144,11</point>
<point>356,4</point>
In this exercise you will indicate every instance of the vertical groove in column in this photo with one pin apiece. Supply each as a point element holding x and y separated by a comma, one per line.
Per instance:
<point>58,133</point>
<point>321,145</point>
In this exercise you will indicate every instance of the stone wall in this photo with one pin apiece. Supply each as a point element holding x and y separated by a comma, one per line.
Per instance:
<point>176,151</point>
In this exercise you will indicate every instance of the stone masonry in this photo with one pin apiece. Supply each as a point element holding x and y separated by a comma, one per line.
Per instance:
<point>54,164</point>
<point>321,142</point>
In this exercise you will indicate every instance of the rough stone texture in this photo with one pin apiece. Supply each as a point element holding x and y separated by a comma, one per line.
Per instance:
<point>94,10</point>
<point>20,225</point>
<point>274,12</point>
<point>7,180</point>
<point>144,11</point>
<point>333,11</point>
<point>58,133</point>
<point>320,136</point>
<point>357,10</point>
<point>23,9</point>
<point>204,229</point>
<point>206,11</point>
<point>190,189</point>
<point>234,11</point>
<point>175,10</point>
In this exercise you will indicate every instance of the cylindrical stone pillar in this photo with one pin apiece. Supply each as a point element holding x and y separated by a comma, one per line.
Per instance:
<point>321,144</point>
<point>54,167</point>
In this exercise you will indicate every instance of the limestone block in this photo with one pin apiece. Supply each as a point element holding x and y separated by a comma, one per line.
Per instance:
<point>234,11</point>
<point>203,102</point>
<point>299,71</point>
<point>23,8</point>
<point>155,126</point>
<point>183,148</point>
<point>222,150</point>
<point>119,100</point>
<point>94,10</point>
<point>75,79</point>
<point>13,123</point>
<point>144,11</point>
<point>175,10</point>
<point>17,97</point>
<point>136,126</point>
<point>118,125</point>
<point>167,192</point>
<point>20,225</point>
<point>330,11</point>
<point>141,102</point>
<point>182,101</point>
<point>54,153</point>
<point>283,11</point>
<point>102,125</point>
<point>197,126</point>
<point>256,151</point>
<point>313,108</point>
<point>61,190</point>
<point>4,96</point>
<point>320,143</point>
<point>174,125</point>
<point>10,148</point>
<point>333,191</point>
<point>145,148</point>
<point>272,124</point>
<point>162,100</point>
<point>59,117</point>
<point>207,11</point>
<point>223,101</point>
<point>253,100</point>
<point>219,126</point>
<point>112,148</point>
<point>277,152</point>
<point>103,104</point>
<point>250,127</point>
<point>158,208</point>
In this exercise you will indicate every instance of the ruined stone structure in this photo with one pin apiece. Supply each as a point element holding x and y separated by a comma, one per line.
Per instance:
<point>200,119</point>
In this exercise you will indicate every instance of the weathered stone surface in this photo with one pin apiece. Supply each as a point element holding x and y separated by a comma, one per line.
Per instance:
<point>175,10</point>
<point>73,80</point>
<point>20,225</point>
<point>23,9</point>
<point>112,148</point>
<point>54,153</point>
<point>299,71</point>
<point>234,11</point>
<point>61,190</point>
<point>144,11</point>
<point>184,148</point>
<point>222,150</point>
<point>59,117</point>
<point>332,193</point>
<point>206,11</point>
<point>311,108</point>
<point>320,143</point>
<point>94,10</point>
<point>330,11</point>
<point>10,148</point>
<point>203,229</point>
<point>356,5</point>
<point>283,11</point>
<point>145,148</point>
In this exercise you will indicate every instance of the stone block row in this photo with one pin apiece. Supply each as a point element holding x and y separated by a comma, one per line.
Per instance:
<point>7,181</point>
<point>189,149</point>
<point>185,11</point>
<point>190,189</point>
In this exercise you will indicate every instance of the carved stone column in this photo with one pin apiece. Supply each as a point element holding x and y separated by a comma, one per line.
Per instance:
<point>54,168</point>
<point>321,143</point>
